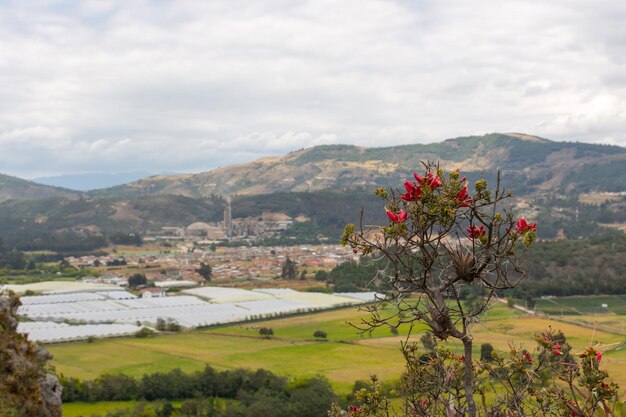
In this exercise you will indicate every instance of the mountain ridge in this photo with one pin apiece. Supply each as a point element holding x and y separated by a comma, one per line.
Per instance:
<point>340,167</point>
<point>14,188</point>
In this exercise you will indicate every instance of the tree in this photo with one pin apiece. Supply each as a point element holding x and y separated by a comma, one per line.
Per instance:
<point>137,280</point>
<point>289,269</point>
<point>486,352</point>
<point>440,239</point>
<point>143,333</point>
<point>205,271</point>
<point>321,275</point>
<point>266,332</point>
<point>319,334</point>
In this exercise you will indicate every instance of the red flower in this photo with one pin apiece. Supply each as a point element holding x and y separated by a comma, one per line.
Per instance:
<point>599,356</point>
<point>475,232</point>
<point>424,403</point>
<point>430,180</point>
<point>413,192</point>
<point>522,226</point>
<point>463,179</point>
<point>528,358</point>
<point>463,197</point>
<point>354,408</point>
<point>556,349</point>
<point>397,218</point>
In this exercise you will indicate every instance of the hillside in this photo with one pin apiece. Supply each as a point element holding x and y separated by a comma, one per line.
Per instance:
<point>533,164</point>
<point>13,188</point>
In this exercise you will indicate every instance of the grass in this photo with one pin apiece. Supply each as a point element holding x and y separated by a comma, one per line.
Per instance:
<point>82,409</point>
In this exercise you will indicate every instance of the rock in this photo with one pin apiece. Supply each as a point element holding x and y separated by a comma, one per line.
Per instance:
<point>26,390</point>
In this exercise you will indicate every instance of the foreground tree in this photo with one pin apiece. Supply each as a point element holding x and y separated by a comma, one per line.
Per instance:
<point>447,252</point>
<point>441,239</point>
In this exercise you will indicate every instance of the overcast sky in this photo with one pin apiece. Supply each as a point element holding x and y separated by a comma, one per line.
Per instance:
<point>97,86</point>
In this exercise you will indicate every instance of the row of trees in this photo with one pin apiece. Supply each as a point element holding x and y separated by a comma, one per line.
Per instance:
<point>258,392</point>
<point>579,267</point>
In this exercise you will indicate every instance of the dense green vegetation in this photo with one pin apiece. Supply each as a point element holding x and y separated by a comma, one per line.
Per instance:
<point>573,267</point>
<point>257,392</point>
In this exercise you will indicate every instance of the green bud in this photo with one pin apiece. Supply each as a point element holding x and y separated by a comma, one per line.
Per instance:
<point>529,238</point>
<point>348,231</point>
<point>382,193</point>
<point>481,185</point>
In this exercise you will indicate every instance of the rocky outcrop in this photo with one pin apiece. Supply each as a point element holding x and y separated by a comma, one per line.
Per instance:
<point>26,389</point>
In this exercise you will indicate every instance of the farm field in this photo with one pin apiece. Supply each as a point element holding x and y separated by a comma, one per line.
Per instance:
<point>345,357</point>
<point>616,304</point>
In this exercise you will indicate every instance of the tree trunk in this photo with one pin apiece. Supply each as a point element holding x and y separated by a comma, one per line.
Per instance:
<point>469,382</point>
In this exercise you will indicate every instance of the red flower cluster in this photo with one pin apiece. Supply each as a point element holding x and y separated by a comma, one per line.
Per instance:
<point>396,218</point>
<point>463,197</point>
<point>354,409</point>
<point>432,181</point>
<point>413,192</point>
<point>528,357</point>
<point>522,226</point>
<point>475,232</point>
<point>556,349</point>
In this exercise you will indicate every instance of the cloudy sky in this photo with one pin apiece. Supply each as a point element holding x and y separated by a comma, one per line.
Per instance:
<point>186,86</point>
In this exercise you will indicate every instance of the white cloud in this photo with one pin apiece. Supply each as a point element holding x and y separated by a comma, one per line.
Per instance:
<point>189,85</point>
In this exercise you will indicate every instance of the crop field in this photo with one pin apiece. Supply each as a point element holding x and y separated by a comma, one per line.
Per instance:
<point>344,357</point>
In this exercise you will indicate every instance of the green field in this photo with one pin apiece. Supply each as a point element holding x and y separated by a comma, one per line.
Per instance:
<point>616,304</point>
<point>345,357</point>
<point>79,409</point>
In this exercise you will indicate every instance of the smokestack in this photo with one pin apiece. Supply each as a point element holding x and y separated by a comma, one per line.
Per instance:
<point>228,218</point>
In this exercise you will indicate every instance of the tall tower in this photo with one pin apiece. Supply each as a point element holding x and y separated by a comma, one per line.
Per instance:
<point>228,219</point>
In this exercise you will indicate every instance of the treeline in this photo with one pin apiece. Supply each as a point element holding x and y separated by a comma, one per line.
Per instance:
<point>565,267</point>
<point>257,392</point>
<point>577,267</point>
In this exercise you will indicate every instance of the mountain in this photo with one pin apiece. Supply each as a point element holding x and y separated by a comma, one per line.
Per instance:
<point>91,180</point>
<point>13,188</point>
<point>534,164</point>
<point>328,185</point>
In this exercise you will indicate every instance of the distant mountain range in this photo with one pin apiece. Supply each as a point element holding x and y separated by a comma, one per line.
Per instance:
<point>92,180</point>
<point>328,184</point>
